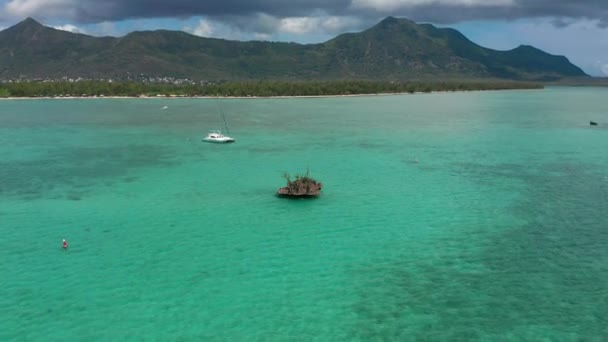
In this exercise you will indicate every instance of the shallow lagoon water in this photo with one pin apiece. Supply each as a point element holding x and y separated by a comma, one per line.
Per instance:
<point>447,216</point>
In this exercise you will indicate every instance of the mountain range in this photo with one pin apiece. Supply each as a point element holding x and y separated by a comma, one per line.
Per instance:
<point>393,49</point>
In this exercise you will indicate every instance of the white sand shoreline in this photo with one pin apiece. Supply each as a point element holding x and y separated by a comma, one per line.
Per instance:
<point>196,97</point>
<point>171,97</point>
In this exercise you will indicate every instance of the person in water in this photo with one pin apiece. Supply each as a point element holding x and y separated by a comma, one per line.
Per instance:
<point>65,244</point>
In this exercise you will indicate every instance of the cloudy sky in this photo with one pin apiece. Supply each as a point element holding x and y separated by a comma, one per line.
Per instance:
<point>577,29</point>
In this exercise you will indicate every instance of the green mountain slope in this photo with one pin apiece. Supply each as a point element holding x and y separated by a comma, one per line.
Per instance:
<point>394,49</point>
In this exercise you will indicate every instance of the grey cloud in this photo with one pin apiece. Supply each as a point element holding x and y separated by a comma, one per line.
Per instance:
<point>561,22</point>
<point>261,15</point>
<point>92,11</point>
<point>259,22</point>
<point>561,10</point>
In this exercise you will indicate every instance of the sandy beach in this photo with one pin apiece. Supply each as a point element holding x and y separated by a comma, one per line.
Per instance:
<point>243,97</point>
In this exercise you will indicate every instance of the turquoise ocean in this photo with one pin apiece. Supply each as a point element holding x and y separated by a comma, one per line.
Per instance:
<point>445,216</point>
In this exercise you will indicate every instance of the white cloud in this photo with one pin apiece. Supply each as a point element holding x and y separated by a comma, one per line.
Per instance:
<point>301,25</point>
<point>262,36</point>
<point>202,29</point>
<point>337,24</point>
<point>602,67</point>
<point>216,29</point>
<point>307,25</point>
<point>50,8</point>
<point>106,28</point>
<point>69,28</point>
<point>391,5</point>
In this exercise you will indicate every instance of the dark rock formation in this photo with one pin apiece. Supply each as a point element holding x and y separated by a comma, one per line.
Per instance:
<point>302,186</point>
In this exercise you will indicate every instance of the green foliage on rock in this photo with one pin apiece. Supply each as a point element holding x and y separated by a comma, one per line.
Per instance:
<point>300,186</point>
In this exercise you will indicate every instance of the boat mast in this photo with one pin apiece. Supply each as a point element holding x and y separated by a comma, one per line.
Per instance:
<point>225,124</point>
<point>223,118</point>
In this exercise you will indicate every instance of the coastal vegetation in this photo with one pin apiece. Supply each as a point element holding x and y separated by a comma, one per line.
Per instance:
<point>246,89</point>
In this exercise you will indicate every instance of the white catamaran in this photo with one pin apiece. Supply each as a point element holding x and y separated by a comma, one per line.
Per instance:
<point>216,135</point>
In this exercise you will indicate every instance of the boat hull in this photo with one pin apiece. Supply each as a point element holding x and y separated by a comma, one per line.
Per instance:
<point>219,141</point>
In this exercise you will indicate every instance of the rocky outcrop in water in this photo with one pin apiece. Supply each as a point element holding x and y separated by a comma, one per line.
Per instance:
<point>302,186</point>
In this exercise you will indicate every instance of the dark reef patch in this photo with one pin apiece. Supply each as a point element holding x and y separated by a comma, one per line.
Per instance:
<point>78,168</point>
<point>545,274</point>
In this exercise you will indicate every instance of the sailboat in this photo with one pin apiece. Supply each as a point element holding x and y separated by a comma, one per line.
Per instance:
<point>216,135</point>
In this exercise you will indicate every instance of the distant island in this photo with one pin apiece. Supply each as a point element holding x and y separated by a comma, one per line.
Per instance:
<point>394,50</point>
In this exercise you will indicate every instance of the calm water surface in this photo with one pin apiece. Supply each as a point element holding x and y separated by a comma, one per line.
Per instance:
<point>456,216</point>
